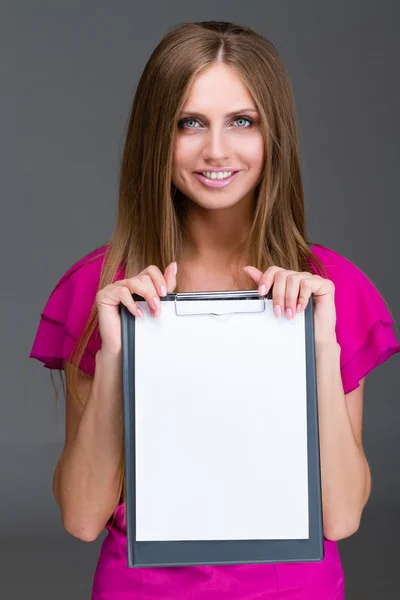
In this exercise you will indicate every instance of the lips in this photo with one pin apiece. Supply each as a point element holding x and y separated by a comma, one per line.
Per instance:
<point>216,183</point>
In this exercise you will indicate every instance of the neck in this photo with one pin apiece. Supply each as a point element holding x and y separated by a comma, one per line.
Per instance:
<point>216,236</point>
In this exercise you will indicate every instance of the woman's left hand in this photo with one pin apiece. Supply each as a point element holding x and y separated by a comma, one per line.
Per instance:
<point>291,291</point>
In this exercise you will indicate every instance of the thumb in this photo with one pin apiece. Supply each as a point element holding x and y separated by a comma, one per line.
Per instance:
<point>170,276</point>
<point>253,273</point>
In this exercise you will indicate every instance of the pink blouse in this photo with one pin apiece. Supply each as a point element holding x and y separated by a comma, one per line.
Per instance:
<point>365,334</point>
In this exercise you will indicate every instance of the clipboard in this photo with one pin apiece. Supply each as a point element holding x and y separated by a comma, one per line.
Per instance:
<point>213,385</point>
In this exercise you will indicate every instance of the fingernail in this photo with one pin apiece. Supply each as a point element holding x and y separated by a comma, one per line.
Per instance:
<point>298,307</point>
<point>262,290</point>
<point>140,312</point>
<point>163,290</point>
<point>156,303</point>
<point>277,310</point>
<point>175,268</point>
<point>289,313</point>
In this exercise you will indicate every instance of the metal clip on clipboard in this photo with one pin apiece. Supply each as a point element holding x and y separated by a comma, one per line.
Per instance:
<point>229,302</point>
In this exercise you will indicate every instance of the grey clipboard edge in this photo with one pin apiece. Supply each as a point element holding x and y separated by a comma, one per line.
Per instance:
<point>142,554</point>
<point>313,448</point>
<point>128,377</point>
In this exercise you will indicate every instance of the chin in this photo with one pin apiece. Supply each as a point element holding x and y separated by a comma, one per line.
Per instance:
<point>216,203</point>
<point>215,200</point>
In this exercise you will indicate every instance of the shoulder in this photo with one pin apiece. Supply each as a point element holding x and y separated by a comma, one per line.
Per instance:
<point>337,266</point>
<point>75,292</point>
<point>86,268</point>
<point>66,312</point>
<point>354,290</point>
<point>73,296</point>
<point>364,323</point>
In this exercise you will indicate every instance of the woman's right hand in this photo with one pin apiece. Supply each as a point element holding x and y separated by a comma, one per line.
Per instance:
<point>150,283</point>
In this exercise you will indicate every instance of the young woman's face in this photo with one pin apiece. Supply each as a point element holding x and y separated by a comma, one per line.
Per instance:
<point>219,131</point>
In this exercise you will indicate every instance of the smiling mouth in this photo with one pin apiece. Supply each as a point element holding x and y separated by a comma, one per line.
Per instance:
<point>216,175</point>
<point>216,179</point>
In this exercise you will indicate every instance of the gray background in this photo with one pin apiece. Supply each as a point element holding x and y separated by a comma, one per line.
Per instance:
<point>69,71</point>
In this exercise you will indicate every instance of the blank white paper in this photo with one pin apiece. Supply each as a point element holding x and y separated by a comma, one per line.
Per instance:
<point>221,426</point>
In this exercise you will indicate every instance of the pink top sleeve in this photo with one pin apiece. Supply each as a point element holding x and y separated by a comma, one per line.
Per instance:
<point>66,313</point>
<point>364,325</point>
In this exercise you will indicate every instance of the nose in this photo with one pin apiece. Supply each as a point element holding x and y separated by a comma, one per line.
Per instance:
<point>216,145</point>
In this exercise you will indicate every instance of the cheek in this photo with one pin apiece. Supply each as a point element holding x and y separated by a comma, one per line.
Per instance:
<point>253,151</point>
<point>176,161</point>
<point>182,156</point>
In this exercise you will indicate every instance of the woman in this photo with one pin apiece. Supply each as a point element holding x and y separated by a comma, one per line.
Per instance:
<point>210,198</point>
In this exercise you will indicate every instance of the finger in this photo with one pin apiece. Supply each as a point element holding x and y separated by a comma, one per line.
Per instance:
<point>263,280</point>
<point>127,300</point>
<point>253,273</point>
<point>170,276</point>
<point>305,292</point>
<point>115,295</point>
<point>144,286</point>
<point>292,292</point>
<point>158,279</point>
<point>279,292</point>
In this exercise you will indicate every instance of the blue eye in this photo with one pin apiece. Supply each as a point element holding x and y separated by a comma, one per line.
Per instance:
<point>245,119</point>
<point>185,123</point>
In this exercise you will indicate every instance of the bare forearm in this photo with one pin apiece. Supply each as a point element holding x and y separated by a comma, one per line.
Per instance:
<point>88,471</point>
<point>344,469</point>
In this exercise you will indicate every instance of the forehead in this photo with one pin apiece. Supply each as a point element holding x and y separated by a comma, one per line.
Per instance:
<point>218,88</point>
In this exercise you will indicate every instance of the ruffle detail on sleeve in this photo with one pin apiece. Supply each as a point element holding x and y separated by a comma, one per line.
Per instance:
<point>54,343</point>
<point>364,325</point>
<point>65,316</point>
<point>380,344</point>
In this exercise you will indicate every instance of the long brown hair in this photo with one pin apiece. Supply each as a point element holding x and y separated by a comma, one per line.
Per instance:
<point>148,224</point>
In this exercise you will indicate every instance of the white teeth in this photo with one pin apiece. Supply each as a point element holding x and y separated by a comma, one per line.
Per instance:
<point>217,175</point>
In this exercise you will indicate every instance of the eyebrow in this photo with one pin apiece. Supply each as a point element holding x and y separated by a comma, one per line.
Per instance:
<point>231,114</point>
